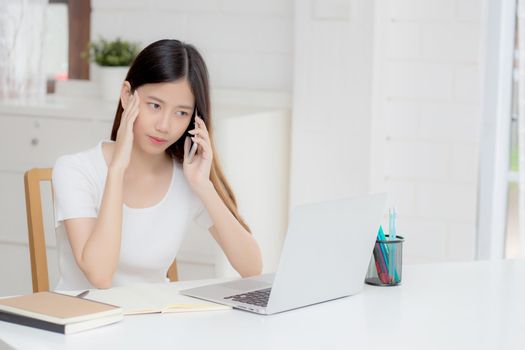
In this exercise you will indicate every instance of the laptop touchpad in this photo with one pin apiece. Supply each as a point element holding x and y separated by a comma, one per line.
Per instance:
<point>246,285</point>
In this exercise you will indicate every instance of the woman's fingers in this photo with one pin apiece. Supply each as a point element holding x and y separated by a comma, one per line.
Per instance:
<point>205,146</point>
<point>195,132</point>
<point>201,125</point>
<point>133,116</point>
<point>131,113</point>
<point>124,140</point>
<point>200,129</point>
<point>129,103</point>
<point>205,140</point>
<point>187,143</point>
<point>132,101</point>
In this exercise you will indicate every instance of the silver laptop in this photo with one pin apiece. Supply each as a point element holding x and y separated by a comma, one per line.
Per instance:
<point>325,256</point>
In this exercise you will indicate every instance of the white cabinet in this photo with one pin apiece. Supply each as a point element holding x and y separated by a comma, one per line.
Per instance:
<point>255,149</point>
<point>252,144</point>
<point>30,141</point>
<point>36,141</point>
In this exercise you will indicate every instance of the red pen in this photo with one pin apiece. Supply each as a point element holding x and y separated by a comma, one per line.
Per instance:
<point>380,265</point>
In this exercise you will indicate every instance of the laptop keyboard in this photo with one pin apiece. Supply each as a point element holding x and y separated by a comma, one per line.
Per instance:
<point>258,297</point>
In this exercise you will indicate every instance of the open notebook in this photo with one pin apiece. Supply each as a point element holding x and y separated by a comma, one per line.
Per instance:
<point>151,298</point>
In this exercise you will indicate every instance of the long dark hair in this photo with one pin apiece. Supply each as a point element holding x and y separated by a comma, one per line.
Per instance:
<point>171,60</point>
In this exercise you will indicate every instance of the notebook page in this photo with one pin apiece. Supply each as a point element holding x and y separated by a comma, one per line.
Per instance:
<point>150,298</point>
<point>132,299</point>
<point>169,295</point>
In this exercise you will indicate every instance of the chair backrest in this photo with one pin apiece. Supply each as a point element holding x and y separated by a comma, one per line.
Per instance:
<point>35,225</point>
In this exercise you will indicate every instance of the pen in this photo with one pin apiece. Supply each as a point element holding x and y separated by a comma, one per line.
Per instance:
<point>380,264</point>
<point>384,252</point>
<point>387,253</point>
<point>83,294</point>
<point>393,222</point>
<point>392,236</point>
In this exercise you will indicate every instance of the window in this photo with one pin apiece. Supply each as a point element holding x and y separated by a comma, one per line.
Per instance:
<point>56,42</point>
<point>71,32</point>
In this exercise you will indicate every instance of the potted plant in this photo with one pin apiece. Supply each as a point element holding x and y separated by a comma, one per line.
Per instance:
<point>113,59</point>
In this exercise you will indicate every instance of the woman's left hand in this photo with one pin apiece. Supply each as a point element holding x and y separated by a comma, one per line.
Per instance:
<point>198,171</point>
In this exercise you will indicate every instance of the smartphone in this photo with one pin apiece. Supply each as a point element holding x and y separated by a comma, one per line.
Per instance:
<point>194,146</point>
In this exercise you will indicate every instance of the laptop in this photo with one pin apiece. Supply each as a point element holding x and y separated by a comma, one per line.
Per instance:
<point>325,256</point>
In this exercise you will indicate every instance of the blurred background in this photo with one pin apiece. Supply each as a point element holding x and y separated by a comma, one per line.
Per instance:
<point>313,100</point>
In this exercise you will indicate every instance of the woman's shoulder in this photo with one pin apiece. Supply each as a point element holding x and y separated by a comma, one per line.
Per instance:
<point>82,161</point>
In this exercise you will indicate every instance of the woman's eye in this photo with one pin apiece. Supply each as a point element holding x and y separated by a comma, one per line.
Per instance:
<point>181,113</point>
<point>154,106</point>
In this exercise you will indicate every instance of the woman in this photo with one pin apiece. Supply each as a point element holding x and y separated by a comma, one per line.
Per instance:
<point>122,208</point>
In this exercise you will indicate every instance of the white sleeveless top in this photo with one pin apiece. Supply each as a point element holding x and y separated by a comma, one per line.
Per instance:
<point>151,236</point>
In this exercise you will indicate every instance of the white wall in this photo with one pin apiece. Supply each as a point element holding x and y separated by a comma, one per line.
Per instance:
<point>427,122</point>
<point>332,99</point>
<point>246,44</point>
<point>387,98</point>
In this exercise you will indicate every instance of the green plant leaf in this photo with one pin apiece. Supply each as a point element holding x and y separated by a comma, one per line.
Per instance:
<point>115,53</point>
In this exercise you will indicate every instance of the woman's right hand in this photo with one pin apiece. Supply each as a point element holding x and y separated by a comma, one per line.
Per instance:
<point>124,142</point>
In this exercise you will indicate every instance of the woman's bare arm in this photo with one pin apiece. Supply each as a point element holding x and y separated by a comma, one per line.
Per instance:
<point>95,242</point>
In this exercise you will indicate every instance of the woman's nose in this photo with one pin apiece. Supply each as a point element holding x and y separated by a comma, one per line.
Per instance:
<point>163,123</point>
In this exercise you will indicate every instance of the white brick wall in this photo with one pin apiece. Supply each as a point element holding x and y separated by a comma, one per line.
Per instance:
<point>452,41</point>
<point>403,39</point>
<point>428,96</point>
<point>425,240</point>
<point>467,83</point>
<point>247,44</point>
<point>421,10</point>
<point>332,99</point>
<point>469,10</point>
<point>414,160</point>
<point>416,79</point>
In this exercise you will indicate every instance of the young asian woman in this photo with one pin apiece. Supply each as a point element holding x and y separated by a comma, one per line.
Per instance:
<point>123,207</point>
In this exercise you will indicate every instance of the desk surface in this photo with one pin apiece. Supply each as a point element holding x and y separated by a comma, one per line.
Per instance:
<point>475,305</point>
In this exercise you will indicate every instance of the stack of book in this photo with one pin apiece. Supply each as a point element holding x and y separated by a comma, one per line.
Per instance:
<point>58,312</point>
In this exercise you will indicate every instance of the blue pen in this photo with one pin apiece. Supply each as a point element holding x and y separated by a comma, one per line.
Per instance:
<point>392,218</point>
<point>393,233</point>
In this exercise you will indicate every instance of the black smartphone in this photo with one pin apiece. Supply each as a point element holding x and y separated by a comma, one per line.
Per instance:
<point>194,146</point>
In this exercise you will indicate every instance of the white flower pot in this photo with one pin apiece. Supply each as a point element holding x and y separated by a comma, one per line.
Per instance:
<point>110,81</point>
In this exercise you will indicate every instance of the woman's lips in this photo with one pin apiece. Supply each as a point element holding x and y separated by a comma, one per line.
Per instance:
<point>157,141</point>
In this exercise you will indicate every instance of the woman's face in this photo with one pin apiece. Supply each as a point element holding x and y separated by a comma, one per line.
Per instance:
<point>165,111</point>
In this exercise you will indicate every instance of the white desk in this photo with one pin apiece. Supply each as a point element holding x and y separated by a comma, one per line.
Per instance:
<point>475,305</point>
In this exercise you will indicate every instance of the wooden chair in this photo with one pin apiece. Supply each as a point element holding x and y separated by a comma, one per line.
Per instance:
<point>35,225</point>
